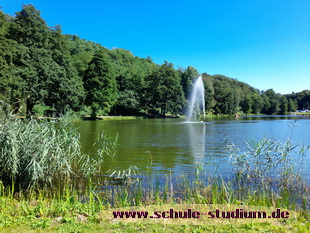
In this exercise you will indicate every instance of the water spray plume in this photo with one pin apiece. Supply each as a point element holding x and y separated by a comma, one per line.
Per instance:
<point>197,100</point>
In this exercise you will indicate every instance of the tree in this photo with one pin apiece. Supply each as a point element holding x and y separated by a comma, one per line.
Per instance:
<point>127,103</point>
<point>271,102</point>
<point>209,92</point>
<point>164,90</point>
<point>31,61</point>
<point>266,103</point>
<point>130,73</point>
<point>43,64</point>
<point>226,95</point>
<point>10,85</point>
<point>130,87</point>
<point>283,105</point>
<point>65,87</point>
<point>246,104</point>
<point>258,103</point>
<point>81,52</point>
<point>292,105</point>
<point>99,84</point>
<point>187,78</point>
<point>303,100</point>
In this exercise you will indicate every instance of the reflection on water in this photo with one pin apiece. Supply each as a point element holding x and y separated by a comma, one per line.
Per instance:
<point>178,146</point>
<point>196,138</point>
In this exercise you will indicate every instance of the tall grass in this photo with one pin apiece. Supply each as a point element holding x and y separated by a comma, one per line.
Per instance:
<point>271,171</point>
<point>270,161</point>
<point>37,154</point>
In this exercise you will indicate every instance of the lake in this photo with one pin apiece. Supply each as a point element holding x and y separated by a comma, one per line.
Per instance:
<point>176,146</point>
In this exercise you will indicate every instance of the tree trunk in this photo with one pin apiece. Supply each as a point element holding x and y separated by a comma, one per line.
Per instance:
<point>163,111</point>
<point>17,108</point>
<point>29,108</point>
<point>93,114</point>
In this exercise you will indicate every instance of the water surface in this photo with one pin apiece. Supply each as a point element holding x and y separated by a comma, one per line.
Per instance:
<point>176,146</point>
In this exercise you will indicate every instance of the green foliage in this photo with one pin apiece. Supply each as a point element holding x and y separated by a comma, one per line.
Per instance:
<point>292,105</point>
<point>209,92</point>
<point>42,63</point>
<point>100,84</point>
<point>187,77</point>
<point>10,87</point>
<point>299,100</point>
<point>246,104</point>
<point>41,109</point>
<point>131,81</point>
<point>31,60</point>
<point>283,105</point>
<point>81,52</point>
<point>226,95</point>
<point>272,104</point>
<point>257,103</point>
<point>128,103</point>
<point>65,89</point>
<point>164,91</point>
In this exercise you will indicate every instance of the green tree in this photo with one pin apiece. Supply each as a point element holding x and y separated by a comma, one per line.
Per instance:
<point>31,62</point>
<point>100,84</point>
<point>283,105</point>
<point>131,73</point>
<point>81,51</point>
<point>258,103</point>
<point>266,103</point>
<point>127,103</point>
<point>226,95</point>
<point>303,100</point>
<point>164,90</point>
<point>10,85</point>
<point>292,105</point>
<point>247,104</point>
<point>271,102</point>
<point>187,77</point>
<point>43,64</point>
<point>130,86</point>
<point>65,86</point>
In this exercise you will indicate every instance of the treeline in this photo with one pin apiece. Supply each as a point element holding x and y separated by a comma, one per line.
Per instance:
<point>44,71</point>
<point>302,99</point>
<point>227,96</point>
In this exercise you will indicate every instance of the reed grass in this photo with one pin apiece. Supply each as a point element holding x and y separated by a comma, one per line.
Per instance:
<point>38,154</point>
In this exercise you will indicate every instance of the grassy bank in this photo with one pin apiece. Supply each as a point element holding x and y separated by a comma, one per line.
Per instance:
<point>112,118</point>
<point>101,225</point>
<point>299,226</point>
<point>68,209</point>
<point>303,113</point>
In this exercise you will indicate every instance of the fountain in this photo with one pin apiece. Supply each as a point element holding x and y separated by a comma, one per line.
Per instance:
<point>197,100</point>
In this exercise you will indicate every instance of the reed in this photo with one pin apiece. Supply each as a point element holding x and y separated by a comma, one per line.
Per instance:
<point>38,154</point>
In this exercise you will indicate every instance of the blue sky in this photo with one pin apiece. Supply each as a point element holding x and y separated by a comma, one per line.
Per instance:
<point>265,43</point>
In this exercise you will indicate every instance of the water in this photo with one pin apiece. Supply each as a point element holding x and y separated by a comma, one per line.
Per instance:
<point>178,147</point>
<point>197,100</point>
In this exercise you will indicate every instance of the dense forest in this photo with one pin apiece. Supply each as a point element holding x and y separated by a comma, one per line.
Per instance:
<point>43,71</point>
